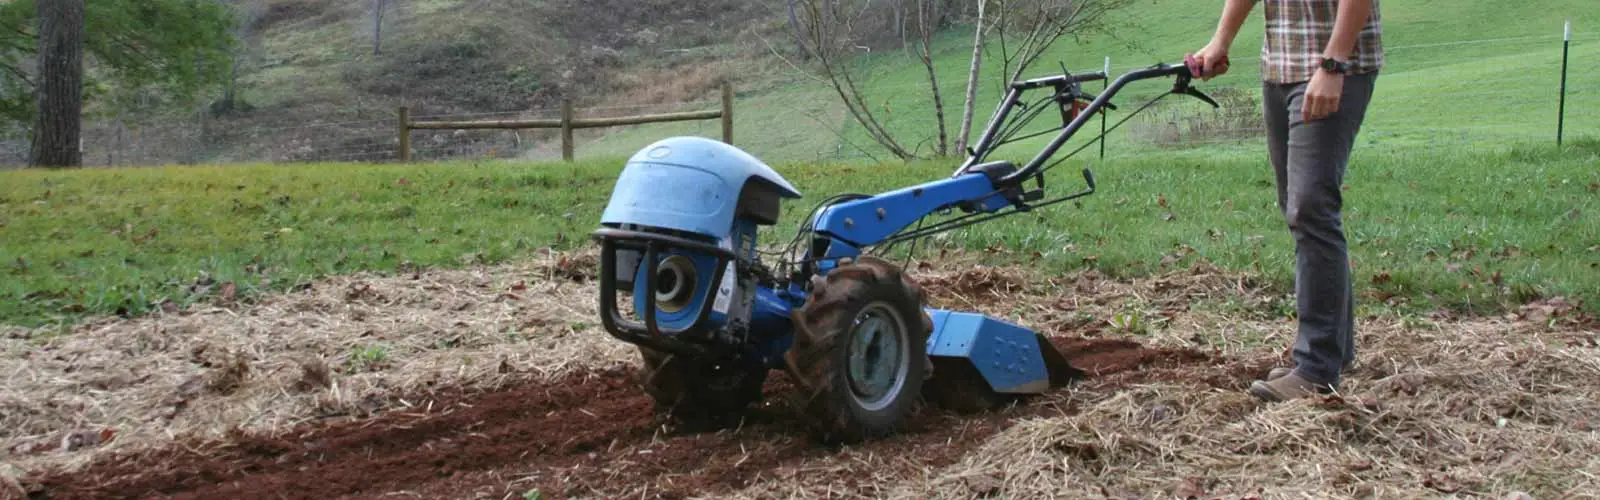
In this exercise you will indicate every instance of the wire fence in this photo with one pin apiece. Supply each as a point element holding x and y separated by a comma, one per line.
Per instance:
<point>1472,104</point>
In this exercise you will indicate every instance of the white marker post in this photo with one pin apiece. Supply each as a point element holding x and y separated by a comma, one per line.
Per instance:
<point>1561,109</point>
<point>1104,85</point>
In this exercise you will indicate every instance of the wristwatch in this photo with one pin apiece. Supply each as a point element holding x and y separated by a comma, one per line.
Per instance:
<point>1335,66</point>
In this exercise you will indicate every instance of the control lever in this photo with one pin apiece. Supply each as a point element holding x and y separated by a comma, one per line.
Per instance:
<point>1191,91</point>
<point>1181,86</point>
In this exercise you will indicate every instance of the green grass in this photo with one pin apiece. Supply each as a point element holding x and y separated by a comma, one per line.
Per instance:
<point>1472,230</point>
<point>123,241</point>
<point>1434,92</point>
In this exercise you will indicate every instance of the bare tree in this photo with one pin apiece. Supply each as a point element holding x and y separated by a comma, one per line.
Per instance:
<point>972,80</point>
<point>247,14</point>
<point>829,27</point>
<point>926,18</point>
<point>377,25</point>
<point>1025,30</point>
<point>900,19</point>
<point>58,119</point>
<point>836,30</point>
<point>1028,28</point>
<point>799,37</point>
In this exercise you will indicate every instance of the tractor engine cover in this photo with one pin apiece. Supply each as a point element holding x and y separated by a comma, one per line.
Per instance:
<point>679,235</point>
<point>697,186</point>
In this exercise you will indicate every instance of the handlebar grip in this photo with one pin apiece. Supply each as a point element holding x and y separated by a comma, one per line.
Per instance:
<point>1196,69</point>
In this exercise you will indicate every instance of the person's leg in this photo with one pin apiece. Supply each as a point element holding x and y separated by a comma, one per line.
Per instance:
<point>1275,117</point>
<point>1317,156</point>
<point>1275,111</point>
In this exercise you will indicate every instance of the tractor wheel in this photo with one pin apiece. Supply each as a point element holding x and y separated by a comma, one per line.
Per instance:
<point>697,395</point>
<point>860,351</point>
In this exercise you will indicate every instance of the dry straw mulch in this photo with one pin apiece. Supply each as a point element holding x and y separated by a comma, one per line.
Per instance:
<point>1436,407</point>
<point>343,346</point>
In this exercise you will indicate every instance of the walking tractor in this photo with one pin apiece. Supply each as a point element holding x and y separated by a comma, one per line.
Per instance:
<point>711,319</point>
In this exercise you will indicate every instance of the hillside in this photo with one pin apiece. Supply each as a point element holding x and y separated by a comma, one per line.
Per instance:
<point>1459,74</point>
<point>310,87</point>
<point>313,83</point>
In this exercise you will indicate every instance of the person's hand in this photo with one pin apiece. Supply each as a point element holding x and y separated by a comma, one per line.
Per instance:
<point>1210,62</point>
<point>1322,95</point>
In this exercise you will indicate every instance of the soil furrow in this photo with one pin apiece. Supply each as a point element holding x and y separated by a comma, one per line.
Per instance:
<point>589,434</point>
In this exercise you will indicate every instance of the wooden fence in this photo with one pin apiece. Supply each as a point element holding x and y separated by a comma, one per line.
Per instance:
<point>567,123</point>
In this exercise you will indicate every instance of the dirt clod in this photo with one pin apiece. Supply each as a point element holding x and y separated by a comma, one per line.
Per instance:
<point>229,375</point>
<point>314,374</point>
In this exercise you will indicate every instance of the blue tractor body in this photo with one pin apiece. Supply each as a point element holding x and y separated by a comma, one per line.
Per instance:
<point>679,238</point>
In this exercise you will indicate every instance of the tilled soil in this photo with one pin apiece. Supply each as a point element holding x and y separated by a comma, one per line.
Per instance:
<point>590,434</point>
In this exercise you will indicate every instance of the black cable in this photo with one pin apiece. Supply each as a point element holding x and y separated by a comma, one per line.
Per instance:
<point>807,231</point>
<point>911,253</point>
<point>1018,124</point>
<point>1103,135</point>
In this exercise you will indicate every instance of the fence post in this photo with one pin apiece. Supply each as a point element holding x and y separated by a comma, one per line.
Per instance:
<point>1561,110</point>
<point>727,112</point>
<point>566,129</point>
<point>405,134</point>
<point>1105,84</point>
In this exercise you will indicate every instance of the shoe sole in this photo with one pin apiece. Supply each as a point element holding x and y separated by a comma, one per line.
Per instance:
<point>1261,391</point>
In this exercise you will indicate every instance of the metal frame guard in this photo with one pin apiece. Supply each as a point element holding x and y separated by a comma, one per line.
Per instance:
<point>650,334</point>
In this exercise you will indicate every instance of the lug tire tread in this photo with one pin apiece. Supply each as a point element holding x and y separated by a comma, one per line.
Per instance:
<point>683,394</point>
<point>816,360</point>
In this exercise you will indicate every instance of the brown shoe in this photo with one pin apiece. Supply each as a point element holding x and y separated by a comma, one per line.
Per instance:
<point>1285,370</point>
<point>1284,388</point>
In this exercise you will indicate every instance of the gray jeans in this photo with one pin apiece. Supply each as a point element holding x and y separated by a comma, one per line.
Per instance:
<point>1310,159</point>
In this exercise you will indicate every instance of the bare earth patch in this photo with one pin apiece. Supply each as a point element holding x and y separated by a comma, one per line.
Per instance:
<point>481,395</point>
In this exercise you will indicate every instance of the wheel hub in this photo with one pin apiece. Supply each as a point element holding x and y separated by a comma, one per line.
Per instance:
<point>877,356</point>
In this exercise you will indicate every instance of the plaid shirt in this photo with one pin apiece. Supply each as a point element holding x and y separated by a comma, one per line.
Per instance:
<point>1297,35</point>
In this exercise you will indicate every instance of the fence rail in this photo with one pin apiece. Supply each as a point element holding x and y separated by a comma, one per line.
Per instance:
<point>567,123</point>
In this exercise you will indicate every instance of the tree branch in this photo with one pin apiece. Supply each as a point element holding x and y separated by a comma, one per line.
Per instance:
<point>840,79</point>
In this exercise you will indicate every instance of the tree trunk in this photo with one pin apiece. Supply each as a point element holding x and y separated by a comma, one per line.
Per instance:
<point>58,97</point>
<point>377,26</point>
<point>799,37</point>
<point>900,20</point>
<point>972,84</point>
<point>933,79</point>
<point>121,156</point>
<point>228,99</point>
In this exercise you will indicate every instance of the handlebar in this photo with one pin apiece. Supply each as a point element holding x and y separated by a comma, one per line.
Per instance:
<point>1054,80</point>
<point>1014,93</point>
<point>1183,73</point>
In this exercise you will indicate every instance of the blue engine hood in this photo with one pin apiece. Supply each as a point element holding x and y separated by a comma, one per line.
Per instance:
<point>688,184</point>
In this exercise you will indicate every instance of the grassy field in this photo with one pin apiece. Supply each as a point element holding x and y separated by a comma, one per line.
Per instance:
<point>1475,231</point>
<point>1458,74</point>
